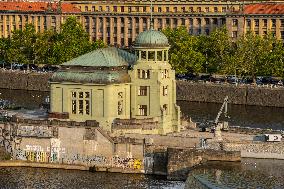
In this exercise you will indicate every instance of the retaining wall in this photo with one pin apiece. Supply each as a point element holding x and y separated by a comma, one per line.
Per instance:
<point>24,81</point>
<point>263,150</point>
<point>245,94</point>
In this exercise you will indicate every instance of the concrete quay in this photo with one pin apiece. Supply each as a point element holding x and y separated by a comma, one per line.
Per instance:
<point>19,163</point>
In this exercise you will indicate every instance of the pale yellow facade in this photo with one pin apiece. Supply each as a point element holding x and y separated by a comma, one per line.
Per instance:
<point>102,101</point>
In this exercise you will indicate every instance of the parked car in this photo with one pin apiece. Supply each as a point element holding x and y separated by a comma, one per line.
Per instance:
<point>49,68</point>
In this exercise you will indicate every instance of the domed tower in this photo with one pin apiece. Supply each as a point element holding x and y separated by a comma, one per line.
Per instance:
<point>153,85</point>
<point>94,86</point>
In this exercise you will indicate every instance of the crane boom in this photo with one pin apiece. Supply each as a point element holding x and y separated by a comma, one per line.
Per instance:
<point>224,106</point>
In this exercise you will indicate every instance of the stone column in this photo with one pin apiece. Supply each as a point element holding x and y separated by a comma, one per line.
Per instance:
<point>140,24</point>
<point>202,26</point>
<point>97,27</point>
<point>133,35</point>
<point>104,30</point>
<point>163,22</point>
<point>5,25</point>
<point>178,22</point>
<point>126,31</point>
<point>261,27</point>
<point>91,34</point>
<point>148,23</point>
<point>118,25</point>
<point>111,26</point>
<point>277,28</point>
<point>187,24</point>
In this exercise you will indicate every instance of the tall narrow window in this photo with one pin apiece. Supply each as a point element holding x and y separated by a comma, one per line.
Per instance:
<point>142,110</point>
<point>165,90</point>
<point>142,91</point>
<point>81,106</point>
<point>165,108</point>
<point>74,106</point>
<point>120,103</point>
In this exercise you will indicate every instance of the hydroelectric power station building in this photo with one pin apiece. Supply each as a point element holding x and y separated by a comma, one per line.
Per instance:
<point>123,92</point>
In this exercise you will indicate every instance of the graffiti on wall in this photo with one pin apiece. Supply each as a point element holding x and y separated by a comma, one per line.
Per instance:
<point>6,138</point>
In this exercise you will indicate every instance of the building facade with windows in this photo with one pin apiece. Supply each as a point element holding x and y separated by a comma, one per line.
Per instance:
<point>43,15</point>
<point>260,19</point>
<point>118,23</point>
<point>111,85</point>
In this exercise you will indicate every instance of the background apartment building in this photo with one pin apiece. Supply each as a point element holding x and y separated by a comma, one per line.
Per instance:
<point>118,23</point>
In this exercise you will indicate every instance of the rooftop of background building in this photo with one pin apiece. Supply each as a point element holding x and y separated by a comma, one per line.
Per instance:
<point>38,7</point>
<point>264,8</point>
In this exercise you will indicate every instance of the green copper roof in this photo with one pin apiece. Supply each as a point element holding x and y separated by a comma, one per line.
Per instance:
<point>105,57</point>
<point>97,77</point>
<point>151,38</point>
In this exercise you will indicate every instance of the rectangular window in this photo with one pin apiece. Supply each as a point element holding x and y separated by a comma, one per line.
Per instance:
<point>206,9</point>
<point>165,90</point>
<point>273,23</point>
<point>142,91</point>
<point>120,107</point>
<point>81,106</point>
<point>282,23</point>
<point>256,22</point>
<point>248,23</point>
<point>74,107</point>
<point>235,22</point>
<point>80,103</point>
<point>167,9</point>
<point>215,9</point>
<point>264,23</point>
<point>165,108</point>
<point>142,110</point>
<point>234,34</point>
<point>87,107</point>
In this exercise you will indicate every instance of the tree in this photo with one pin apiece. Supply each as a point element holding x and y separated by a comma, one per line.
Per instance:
<point>21,49</point>
<point>182,54</point>
<point>72,41</point>
<point>276,60</point>
<point>252,54</point>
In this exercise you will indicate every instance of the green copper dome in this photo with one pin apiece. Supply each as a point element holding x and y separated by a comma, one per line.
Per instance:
<point>151,38</point>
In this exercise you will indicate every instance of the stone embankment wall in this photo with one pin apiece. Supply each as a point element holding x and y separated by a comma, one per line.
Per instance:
<point>24,81</point>
<point>243,94</point>
<point>252,149</point>
<point>181,161</point>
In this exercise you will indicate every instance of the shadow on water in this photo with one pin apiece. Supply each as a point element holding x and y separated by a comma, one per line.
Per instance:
<point>23,98</point>
<point>240,115</point>
<point>249,173</point>
<point>56,178</point>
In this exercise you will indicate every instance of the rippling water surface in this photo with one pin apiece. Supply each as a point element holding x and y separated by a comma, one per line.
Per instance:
<point>248,174</point>
<point>27,178</point>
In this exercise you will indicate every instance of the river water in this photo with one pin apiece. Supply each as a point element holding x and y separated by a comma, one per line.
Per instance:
<point>30,178</point>
<point>247,174</point>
